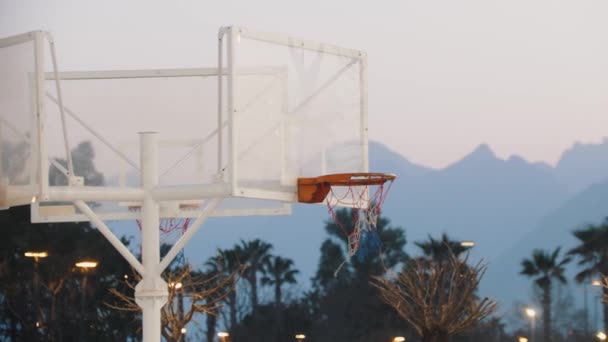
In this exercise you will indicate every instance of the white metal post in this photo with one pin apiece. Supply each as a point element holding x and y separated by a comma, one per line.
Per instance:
<point>232,107</point>
<point>43,162</point>
<point>364,107</point>
<point>151,293</point>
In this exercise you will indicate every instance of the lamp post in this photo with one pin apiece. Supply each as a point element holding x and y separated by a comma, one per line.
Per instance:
<point>399,339</point>
<point>37,255</point>
<point>84,267</point>
<point>531,313</point>
<point>601,336</point>
<point>468,244</point>
<point>596,299</point>
<point>223,336</point>
<point>300,337</point>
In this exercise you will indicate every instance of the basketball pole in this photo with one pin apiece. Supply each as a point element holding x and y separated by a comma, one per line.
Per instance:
<point>151,293</point>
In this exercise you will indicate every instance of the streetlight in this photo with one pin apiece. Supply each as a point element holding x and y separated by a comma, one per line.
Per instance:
<point>522,339</point>
<point>468,244</point>
<point>84,267</point>
<point>596,283</point>
<point>223,336</point>
<point>399,339</point>
<point>601,336</point>
<point>300,337</point>
<point>531,313</point>
<point>37,255</point>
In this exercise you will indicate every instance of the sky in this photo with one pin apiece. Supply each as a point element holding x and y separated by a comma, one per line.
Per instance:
<point>526,77</point>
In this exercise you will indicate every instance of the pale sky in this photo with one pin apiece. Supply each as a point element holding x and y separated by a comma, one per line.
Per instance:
<point>526,77</point>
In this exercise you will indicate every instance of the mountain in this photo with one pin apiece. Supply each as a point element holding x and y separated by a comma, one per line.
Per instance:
<point>583,165</point>
<point>480,197</point>
<point>555,229</point>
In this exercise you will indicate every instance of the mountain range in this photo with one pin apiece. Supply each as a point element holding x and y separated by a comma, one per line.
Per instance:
<point>508,207</point>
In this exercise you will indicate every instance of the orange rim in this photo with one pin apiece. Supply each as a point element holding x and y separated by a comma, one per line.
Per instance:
<point>315,189</point>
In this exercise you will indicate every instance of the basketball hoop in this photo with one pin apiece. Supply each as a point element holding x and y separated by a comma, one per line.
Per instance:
<point>364,192</point>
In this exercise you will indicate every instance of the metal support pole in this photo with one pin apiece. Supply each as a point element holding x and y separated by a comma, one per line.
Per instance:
<point>151,293</point>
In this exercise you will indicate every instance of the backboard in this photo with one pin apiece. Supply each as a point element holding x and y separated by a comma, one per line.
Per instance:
<point>274,109</point>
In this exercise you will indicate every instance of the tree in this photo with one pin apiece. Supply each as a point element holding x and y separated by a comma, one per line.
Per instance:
<point>83,157</point>
<point>227,262</point>
<point>593,256</point>
<point>254,254</point>
<point>441,250</point>
<point>279,271</point>
<point>545,267</point>
<point>345,304</point>
<point>49,291</point>
<point>205,295</point>
<point>437,297</point>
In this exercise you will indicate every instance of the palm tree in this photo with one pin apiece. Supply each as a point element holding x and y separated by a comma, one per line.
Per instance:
<point>279,271</point>
<point>441,250</point>
<point>227,263</point>
<point>593,255</point>
<point>254,254</point>
<point>545,268</point>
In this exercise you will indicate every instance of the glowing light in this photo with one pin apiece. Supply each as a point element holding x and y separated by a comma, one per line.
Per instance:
<point>596,282</point>
<point>223,334</point>
<point>300,336</point>
<point>530,312</point>
<point>86,264</point>
<point>399,339</point>
<point>183,330</point>
<point>36,254</point>
<point>522,339</point>
<point>601,336</point>
<point>467,243</point>
<point>177,286</point>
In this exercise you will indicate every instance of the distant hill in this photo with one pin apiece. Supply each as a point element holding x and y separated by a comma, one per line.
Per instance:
<point>480,198</point>
<point>555,229</point>
<point>582,165</point>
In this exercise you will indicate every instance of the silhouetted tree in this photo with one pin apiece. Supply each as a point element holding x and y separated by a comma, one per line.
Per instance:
<point>545,267</point>
<point>437,297</point>
<point>254,254</point>
<point>592,252</point>
<point>277,272</point>
<point>345,305</point>
<point>441,250</point>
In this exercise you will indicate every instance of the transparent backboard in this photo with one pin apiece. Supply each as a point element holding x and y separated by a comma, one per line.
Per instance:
<point>308,118</point>
<point>105,111</point>
<point>19,167</point>
<point>274,110</point>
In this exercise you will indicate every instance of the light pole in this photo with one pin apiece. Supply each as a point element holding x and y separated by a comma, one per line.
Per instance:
<point>223,336</point>
<point>84,267</point>
<point>531,313</point>
<point>399,339</point>
<point>37,255</point>
<point>300,337</point>
<point>601,336</point>
<point>596,299</point>
<point>468,244</point>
